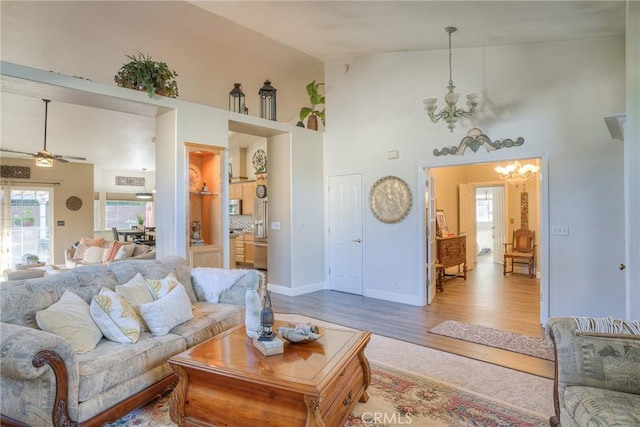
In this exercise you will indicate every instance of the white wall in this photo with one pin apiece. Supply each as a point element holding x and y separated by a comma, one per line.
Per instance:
<point>553,95</point>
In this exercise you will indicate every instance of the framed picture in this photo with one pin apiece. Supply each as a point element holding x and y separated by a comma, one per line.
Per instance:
<point>441,222</point>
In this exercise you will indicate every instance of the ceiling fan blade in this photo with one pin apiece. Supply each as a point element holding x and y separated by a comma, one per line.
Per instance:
<point>72,157</point>
<point>60,159</point>
<point>18,152</point>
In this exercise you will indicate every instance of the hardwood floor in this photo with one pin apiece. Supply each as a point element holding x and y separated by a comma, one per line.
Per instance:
<point>486,297</point>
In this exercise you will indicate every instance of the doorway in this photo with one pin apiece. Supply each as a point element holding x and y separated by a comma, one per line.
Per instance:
<point>26,228</point>
<point>489,225</point>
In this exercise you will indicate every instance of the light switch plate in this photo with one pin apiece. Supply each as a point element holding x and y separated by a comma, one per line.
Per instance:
<point>275,225</point>
<point>560,230</point>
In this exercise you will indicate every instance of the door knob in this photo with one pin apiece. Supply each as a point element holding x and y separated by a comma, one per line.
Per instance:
<point>357,240</point>
<point>621,266</point>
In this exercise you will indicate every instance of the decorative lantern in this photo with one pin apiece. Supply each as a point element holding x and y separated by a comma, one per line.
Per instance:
<point>267,101</point>
<point>267,320</point>
<point>236,99</point>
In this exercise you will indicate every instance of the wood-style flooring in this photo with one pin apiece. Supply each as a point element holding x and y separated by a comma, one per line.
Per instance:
<point>486,297</point>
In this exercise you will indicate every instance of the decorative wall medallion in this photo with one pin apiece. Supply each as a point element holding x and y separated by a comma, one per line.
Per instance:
<point>74,203</point>
<point>390,199</point>
<point>474,139</point>
<point>260,161</point>
<point>22,172</point>
<point>195,179</point>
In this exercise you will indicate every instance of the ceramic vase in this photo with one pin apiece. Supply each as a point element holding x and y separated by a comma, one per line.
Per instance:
<point>312,122</point>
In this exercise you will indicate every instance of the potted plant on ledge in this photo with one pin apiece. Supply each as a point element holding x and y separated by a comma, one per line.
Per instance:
<point>143,73</point>
<point>313,113</point>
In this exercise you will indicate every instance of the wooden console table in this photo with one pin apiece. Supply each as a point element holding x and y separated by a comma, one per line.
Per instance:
<point>451,252</point>
<point>225,381</point>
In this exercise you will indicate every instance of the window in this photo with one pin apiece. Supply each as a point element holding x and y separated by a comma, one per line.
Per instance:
<point>28,225</point>
<point>128,214</point>
<point>484,206</point>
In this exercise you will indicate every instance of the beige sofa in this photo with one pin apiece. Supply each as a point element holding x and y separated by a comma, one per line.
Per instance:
<point>138,252</point>
<point>45,382</point>
<point>597,380</point>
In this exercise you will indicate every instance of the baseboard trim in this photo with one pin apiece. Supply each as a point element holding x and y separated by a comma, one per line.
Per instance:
<point>293,292</point>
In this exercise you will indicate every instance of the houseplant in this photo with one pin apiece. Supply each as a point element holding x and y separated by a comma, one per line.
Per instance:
<point>143,73</point>
<point>140,221</point>
<point>313,112</point>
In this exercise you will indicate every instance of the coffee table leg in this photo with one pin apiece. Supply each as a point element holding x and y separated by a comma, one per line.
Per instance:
<point>176,401</point>
<point>313,411</point>
<point>366,370</point>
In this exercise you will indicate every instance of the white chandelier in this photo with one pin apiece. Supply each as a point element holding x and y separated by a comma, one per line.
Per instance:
<point>451,113</point>
<point>516,173</point>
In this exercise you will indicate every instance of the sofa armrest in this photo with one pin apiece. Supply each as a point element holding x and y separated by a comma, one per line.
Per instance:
<point>39,373</point>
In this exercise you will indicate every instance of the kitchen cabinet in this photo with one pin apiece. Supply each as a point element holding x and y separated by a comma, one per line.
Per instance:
<point>204,227</point>
<point>248,195</point>
<point>232,249</point>
<point>246,191</point>
<point>239,249</point>
<point>248,248</point>
<point>235,190</point>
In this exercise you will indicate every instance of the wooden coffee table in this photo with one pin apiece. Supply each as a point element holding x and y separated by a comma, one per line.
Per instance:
<point>226,381</point>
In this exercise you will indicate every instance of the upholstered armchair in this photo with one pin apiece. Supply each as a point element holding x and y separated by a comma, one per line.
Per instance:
<point>597,371</point>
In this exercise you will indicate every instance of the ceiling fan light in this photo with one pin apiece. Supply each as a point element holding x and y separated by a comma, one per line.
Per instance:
<point>44,162</point>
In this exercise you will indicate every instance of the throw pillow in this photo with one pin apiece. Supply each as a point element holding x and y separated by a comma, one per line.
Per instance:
<point>93,255</point>
<point>92,242</point>
<point>70,318</point>
<point>125,251</point>
<point>135,292</point>
<point>168,312</point>
<point>115,317</point>
<point>161,287</point>
<point>110,251</point>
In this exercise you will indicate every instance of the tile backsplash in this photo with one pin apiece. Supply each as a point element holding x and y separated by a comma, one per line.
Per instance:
<point>240,221</point>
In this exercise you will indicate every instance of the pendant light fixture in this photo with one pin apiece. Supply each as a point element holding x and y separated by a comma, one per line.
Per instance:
<point>145,195</point>
<point>451,113</point>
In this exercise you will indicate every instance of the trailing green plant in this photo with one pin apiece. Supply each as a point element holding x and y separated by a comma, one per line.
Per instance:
<point>143,73</point>
<point>140,219</point>
<point>316,99</point>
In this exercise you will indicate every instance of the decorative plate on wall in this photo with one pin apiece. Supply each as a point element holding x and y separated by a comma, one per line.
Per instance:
<point>260,161</point>
<point>390,199</point>
<point>74,203</point>
<point>195,179</point>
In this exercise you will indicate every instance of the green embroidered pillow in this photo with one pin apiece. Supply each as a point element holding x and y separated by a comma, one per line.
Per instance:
<point>161,287</point>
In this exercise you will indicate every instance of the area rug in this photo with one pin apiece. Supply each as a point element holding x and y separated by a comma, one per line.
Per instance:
<point>395,398</point>
<point>531,346</point>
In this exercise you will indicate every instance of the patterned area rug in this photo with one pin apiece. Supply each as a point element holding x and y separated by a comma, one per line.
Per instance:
<point>531,346</point>
<point>395,398</point>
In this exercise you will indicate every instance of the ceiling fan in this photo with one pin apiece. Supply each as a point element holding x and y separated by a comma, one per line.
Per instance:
<point>45,158</point>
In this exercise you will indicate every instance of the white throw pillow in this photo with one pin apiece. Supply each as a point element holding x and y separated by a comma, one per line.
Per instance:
<point>135,292</point>
<point>126,251</point>
<point>70,318</point>
<point>161,287</point>
<point>93,255</point>
<point>115,317</point>
<point>169,311</point>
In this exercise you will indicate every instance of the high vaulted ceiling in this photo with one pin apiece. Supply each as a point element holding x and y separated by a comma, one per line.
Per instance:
<point>320,29</point>
<point>335,28</point>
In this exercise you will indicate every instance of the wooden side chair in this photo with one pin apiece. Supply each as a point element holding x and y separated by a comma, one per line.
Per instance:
<point>522,250</point>
<point>116,237</point>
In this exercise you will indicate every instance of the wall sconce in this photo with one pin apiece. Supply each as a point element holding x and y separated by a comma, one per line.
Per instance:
<point>267,101</point>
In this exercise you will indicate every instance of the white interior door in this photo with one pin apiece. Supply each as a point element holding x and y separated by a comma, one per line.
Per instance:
<point>345,234</point>
<point>431,237</point>
<point>467,220</point>
<point>499,223</point>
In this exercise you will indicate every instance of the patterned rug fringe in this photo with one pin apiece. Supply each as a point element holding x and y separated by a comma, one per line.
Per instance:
<point>607,325</point>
